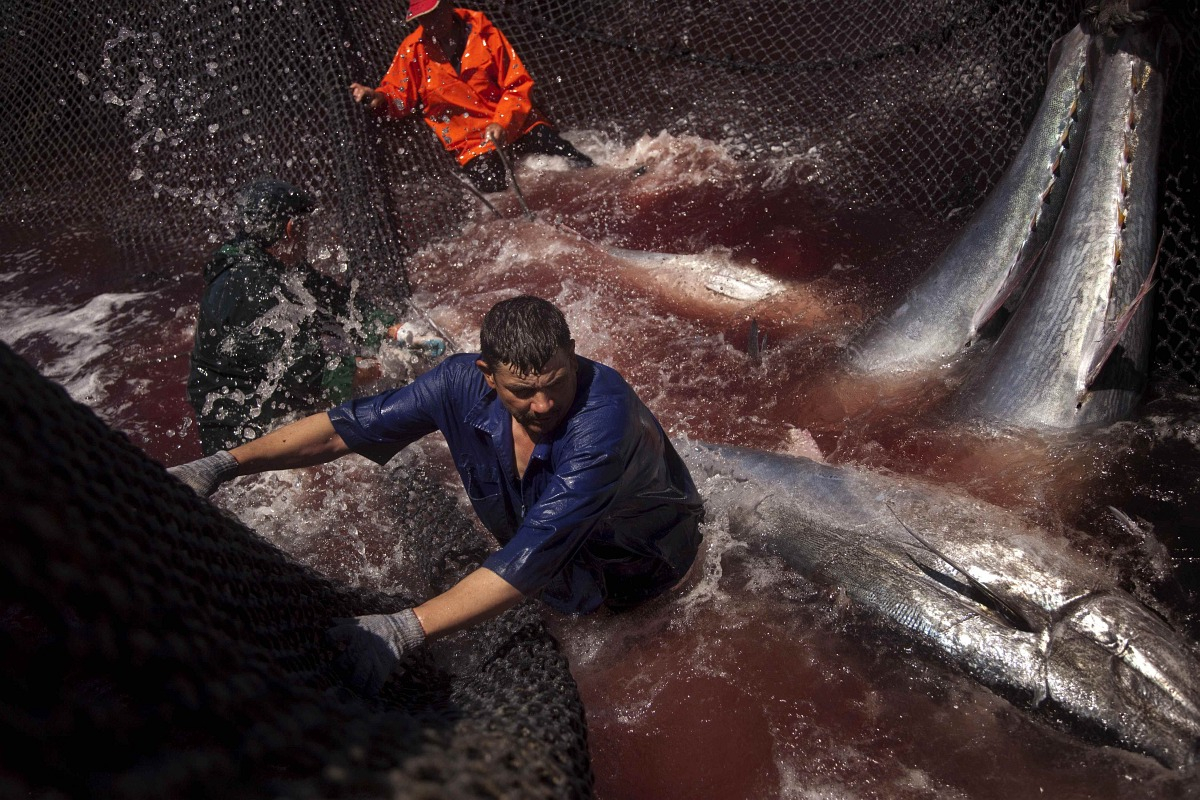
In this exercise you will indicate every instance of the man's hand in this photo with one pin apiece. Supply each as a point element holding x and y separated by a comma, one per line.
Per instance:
<point>365,94</point>
<point>494,133</point>
<point>373,645</point>
<point>204,475</point>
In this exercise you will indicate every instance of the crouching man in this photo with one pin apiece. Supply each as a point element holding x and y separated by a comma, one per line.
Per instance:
<point>560,459</point>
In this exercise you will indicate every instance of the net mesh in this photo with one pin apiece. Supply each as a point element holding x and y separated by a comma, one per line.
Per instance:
<point>159,110</point>
<point>151,646</point>
<point>167,646</point>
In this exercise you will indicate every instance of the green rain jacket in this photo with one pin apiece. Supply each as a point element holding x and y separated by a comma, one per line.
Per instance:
<point>271,340</point>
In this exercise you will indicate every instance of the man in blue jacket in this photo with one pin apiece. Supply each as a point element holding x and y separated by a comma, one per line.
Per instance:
<point>560,459</point>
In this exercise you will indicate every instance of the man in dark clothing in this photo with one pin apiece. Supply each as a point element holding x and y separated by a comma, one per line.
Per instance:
<point>258,350</point>
<point>560,459</point>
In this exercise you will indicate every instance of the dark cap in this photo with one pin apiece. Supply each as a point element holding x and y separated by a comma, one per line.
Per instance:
<point>264,207</point>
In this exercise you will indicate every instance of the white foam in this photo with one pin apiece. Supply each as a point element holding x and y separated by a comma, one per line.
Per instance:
<point>82,336</point>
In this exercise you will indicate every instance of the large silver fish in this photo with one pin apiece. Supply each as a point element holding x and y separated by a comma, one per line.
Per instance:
<point>988,260</point>
<point>1076,350</point>
<point>1009,604</point>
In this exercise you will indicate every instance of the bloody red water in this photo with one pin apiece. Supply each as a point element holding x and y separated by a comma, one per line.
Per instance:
<point>755,683</point>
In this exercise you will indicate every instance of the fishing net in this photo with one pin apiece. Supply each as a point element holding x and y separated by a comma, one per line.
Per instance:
<point>122,114</point>
<point>152,646</point>
<point>150,643</point>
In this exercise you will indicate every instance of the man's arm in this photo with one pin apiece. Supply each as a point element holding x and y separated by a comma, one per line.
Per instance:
<point>582,492</point>
<point>398,94</point>
<point>516,103</point>
<point>480,596</point>
<point>375,644</point>
<point>309,441</point>
<point>303,443</point>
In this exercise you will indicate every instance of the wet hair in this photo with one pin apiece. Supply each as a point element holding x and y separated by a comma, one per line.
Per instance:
<point>523,332</point>
<point>263,208</point>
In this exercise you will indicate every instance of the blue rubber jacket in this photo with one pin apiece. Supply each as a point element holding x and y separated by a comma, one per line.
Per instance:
<point>606,511</point>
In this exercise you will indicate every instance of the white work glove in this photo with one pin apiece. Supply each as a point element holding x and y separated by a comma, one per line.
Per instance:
<point>204,475</point>
<point>373,645</point>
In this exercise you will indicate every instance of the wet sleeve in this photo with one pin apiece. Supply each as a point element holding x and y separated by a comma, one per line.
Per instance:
<point>379,427</point>
<point>330,295</point>
<point>401,84</point>
<point>243,299</point>
<point>337,380</point>
<point>370,322</point>
<point>305,375</point>
<point>579,495</point>
<point>516,102</point>
<point>351,310</point>
<point>255,340</point>
<point>375,322</point>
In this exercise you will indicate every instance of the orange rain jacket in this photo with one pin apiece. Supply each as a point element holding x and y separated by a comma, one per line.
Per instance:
<point>493,86</point>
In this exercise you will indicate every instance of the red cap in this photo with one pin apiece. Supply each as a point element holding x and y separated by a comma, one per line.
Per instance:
<point>418,7</point>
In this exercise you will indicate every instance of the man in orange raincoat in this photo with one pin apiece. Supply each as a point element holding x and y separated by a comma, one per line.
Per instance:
<point>459,71</point>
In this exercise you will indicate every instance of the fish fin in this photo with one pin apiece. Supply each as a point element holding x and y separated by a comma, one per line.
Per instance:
<point>1103,347</point>
<point>1126,521</point>
<point>756,343</point>
<point>1016,275</point>
<point>1010,613</point>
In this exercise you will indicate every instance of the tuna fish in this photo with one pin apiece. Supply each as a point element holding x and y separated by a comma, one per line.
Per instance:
<point>986,264</point>
<point>1011,605</point>
<point>715,270</point>
<point>1075,352</point>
